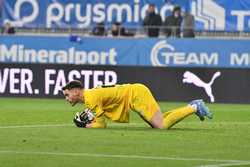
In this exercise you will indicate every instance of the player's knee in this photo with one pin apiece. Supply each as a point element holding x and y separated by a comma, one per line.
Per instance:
<point>157,120</point>
<point>158,126</point>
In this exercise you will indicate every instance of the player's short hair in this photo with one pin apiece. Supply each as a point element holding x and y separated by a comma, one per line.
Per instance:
<point>73,84</point>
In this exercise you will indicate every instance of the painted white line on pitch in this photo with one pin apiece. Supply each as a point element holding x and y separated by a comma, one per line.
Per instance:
<point>227,164</point>
<point>34,126</point>
<point>120,156</point>
<point>115,124</point>
<point>63,125</point>
<point>59,125</point>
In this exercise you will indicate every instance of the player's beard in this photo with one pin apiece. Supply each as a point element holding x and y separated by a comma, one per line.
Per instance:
<point>73,104</point>
<point>74,101</point>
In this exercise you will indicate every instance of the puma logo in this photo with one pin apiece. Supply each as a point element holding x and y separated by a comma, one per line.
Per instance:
<point>191,78</point>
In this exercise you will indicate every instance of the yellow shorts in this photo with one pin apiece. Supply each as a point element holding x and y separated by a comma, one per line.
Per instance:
<point>143,102</point>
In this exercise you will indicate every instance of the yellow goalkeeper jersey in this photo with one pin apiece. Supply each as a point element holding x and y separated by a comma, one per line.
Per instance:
<point>114,102</point>
<point>111,101</point>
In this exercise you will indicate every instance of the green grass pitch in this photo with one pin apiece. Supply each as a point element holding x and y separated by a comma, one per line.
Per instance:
<point>40,132</point>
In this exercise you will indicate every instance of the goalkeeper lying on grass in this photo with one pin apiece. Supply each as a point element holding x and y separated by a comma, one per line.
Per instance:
<point>114,102</point>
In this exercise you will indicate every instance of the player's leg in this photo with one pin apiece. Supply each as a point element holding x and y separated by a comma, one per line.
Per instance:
<point>196,106</point>
<point>145,105</point>
<point>174,116</point>
<point>155,121</point>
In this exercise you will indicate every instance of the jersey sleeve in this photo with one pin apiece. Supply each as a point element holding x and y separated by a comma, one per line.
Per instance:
<point>94,103</point>
<point>99,122</point>
<point>98,111</point>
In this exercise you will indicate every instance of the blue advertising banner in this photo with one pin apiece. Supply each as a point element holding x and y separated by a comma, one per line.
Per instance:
<point>233,15</point>
<point>133,52</point>
<point>78,13</point>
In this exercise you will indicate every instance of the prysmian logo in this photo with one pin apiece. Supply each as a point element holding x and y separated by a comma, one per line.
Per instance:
<point>81,13</point>
<point>164,54</point>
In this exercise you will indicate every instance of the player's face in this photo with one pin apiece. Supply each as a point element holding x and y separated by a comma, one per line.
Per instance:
<point>71,96</point>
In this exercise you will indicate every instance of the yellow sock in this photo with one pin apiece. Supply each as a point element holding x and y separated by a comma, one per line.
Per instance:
<point>174,116</point>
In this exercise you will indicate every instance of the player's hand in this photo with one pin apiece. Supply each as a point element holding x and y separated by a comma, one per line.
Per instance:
<point>84,118</point>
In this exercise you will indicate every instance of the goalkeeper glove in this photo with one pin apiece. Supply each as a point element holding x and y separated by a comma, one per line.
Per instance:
<point>83,118</point>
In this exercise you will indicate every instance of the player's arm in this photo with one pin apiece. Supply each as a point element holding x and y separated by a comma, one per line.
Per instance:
<point>99,119</point>
<point>90,119</point>
<point>94,108</point>
<point>83,118</point>
<point>98,122</point>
